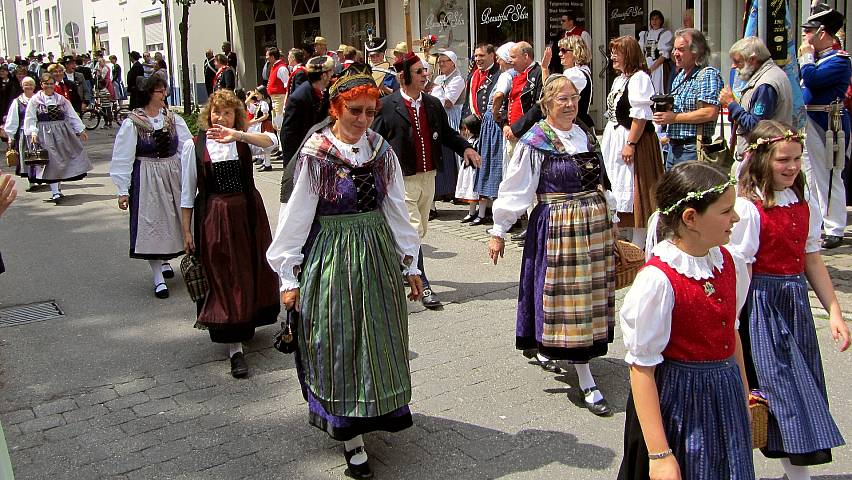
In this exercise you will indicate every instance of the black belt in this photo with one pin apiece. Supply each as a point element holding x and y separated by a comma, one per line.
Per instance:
<point>681,141</point>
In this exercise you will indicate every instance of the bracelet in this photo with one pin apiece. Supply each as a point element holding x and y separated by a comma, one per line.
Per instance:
<point>499,239</point>
<point>661,455</point>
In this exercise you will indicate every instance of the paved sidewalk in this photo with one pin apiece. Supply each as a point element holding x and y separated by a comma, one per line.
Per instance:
<point>122,386</point>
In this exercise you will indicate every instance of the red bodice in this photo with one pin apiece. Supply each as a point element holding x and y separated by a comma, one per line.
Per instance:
<point>516,109</point>
<point>422,133</point>
<point>783,233</point>
<point>704,313</point>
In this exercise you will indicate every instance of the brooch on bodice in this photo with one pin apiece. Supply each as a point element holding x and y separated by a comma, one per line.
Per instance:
<point>709,289</point>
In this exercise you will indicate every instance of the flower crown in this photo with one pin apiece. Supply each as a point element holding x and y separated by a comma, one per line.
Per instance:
<point>786,136</point>
<point>699,195</point>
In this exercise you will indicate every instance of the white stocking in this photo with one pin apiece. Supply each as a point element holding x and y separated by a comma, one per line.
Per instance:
<point>795,472</point>
<point>350,445</point>
<point>156,269</point>
<point>483,206</point>
<point>584,375</point>
<point>54,188</point>
<point>234,348</point>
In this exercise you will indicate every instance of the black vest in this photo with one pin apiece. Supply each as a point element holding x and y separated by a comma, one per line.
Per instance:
<point>622,110</point>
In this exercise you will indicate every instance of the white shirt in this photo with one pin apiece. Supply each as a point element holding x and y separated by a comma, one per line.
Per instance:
<point>414,103</point>
<point>640,88</point>
<point>646,315</point>
<point>745,236</point>
<point>12,120</point>
<point>575,74</point>
<point>504,82</point>
<point>124,148</point>
<point>448,88</point>
<point>219,152</point>
<point>31,117</point>
<point>296,217</point>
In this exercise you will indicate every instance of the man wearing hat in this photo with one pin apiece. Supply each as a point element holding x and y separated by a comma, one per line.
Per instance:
<point>416,126</point>
<point>321,48</point>
<point>825,79</point>
<point>306,106</point>
<point>384,76</point>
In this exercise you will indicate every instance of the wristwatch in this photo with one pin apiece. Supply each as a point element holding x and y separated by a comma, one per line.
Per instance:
<point>632,144</point>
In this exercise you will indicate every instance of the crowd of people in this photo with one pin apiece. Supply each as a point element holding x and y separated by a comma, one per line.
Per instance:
<point>368,143</point>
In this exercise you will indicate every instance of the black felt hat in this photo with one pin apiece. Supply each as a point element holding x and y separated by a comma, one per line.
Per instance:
<point>824,16</point>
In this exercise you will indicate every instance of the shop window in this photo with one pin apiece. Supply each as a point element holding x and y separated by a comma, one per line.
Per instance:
<point>498,22</point>
<point>357,17</point>
<point>448,21</point>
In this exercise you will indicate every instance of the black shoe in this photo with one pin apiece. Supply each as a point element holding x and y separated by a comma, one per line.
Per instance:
<point>482,221</point>
<point>599,408</point>
<point>549,365</point>
<point>430,300</point>
<point>469,217</point>
<point>517,226</point>
<point>167,271</point>
<point>832,241</point>
<point>164,293</point>
<point>357,471</point>
<point>520,237</point>
<point>433,214</point>
<point>267,168</point>
<point>239,366</point>
<point>258,161</point>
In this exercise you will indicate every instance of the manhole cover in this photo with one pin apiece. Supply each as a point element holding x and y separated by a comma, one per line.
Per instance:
<point>29,313</point>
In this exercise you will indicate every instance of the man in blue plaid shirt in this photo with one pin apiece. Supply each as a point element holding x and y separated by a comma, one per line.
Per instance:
<point>696,97</point>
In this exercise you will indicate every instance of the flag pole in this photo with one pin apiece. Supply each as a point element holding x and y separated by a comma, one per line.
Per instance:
<point>407,9</point>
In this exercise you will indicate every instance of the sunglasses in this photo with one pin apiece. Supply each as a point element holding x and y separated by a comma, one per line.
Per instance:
<point>419,71</point>
<point>563,51</point>
<point>358,111</point>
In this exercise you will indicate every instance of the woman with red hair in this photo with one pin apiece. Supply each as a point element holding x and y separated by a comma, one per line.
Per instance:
<point>342,241</point>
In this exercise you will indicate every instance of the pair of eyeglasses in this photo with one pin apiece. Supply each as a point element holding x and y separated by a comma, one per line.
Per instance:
<point>565,99</point>
<point>563,51</point>
<point>419,71</point>
<point>358,111</point>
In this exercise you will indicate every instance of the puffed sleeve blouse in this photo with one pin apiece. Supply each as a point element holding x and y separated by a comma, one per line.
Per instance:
<point>646,315</point>
<point>31,116</point>
<point>448,91</point>
<point>639,88</point>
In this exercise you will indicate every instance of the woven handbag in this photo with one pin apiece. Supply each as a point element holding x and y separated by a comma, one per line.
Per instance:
<point>12,158</point>
<point>193,275</point>
<point>629,258</point>
<point>759,408</point>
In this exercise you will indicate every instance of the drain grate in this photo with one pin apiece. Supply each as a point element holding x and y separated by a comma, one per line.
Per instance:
<point>29,313</point>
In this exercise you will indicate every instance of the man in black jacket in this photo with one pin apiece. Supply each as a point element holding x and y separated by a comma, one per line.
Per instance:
<point>209,71</point>
<point>133,83</point>
<point>481,80</point>
<point>306,106</point>
<point>416,126</point>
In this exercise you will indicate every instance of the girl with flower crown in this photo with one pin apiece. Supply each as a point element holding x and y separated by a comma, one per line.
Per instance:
<point>686,414</point>
<point>779,237</point>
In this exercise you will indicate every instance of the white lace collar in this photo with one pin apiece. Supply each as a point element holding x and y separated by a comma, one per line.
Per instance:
<point>783,198</point>
<point>697,268</point>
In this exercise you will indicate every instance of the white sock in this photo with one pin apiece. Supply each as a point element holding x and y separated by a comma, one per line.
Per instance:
<point>267,158</point>
<point>157,270</point>
<point>795,472</point>
<point>483,206</point>
<point>584,375</point>
<point>471,209</point>
<point>350,445</point>
<point>234,348</point>
<point>639,237</point>
<point>54,188</point>
<point>541,358</point>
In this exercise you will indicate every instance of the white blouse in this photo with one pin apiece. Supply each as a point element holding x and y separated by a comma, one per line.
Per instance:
<point>646,315</point>
<point>448,88</point>
<point>219,152</point>
<point>745,236</point>
<point>577,77</point>
<point>296,217</point>
<point>124,149</point>
<point>639,90</point>
<point>12,120</point>
<point>663,38</point>
<point>31,117</point>
<point>517,189</point>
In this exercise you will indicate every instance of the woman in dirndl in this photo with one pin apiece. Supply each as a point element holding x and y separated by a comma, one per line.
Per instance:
<point>575,56</point>
<point>14,128</point>
<point>779,235</point>
<point>145,169</point>
<point>569,240</point>
<point>449,89</point>
<point>51,123</point>
<point>630,146</point>
<point>231,229</point>
<point>341,249</point>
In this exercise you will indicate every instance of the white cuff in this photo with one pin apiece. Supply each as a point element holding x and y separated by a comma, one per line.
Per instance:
<point>289,285</point>
<point>412,270</point>
<point>644,360</point>
<point>806,59</point>
<point>497,231</point>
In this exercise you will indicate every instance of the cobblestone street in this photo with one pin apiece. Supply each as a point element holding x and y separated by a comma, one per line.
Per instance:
<point>123,387</point>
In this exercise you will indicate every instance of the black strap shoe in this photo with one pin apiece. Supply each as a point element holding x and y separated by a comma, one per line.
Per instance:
<point>482,221</point>
<point>239,366</point>
<point>164,293</point>
<point>362,470</point>
<point>469,217</point>
<point>430,300</point>
<point>599,408</point>
<point>167,271</point>
<point>832,241</point>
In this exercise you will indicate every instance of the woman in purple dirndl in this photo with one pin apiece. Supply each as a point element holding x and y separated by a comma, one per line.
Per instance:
<point>566,300</point>
<point>14,128</point>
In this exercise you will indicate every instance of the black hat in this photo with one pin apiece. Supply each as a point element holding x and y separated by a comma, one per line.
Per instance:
<point>824,16</point>
<point>375,44</point>
<point>406,62</point>
<point>320,64</point>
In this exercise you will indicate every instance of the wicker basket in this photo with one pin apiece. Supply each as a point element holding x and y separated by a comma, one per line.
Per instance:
<point>759,408</point>
<point>193,275</point>
<point>629,258</point>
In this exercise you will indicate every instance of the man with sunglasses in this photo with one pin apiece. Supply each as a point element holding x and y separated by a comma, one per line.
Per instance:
<point>416,126</point>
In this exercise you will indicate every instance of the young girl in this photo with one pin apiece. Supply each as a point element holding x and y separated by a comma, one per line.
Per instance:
<point>258,109</point>
<point>469,129</point>
<point>686,415</point>
<point>779,236</point>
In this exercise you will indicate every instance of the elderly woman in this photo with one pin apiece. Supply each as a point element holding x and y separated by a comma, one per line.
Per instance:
<point>231,227</point>
<point>449,88</point>
<point>51,123</point>
<point>145,169</point>
<point>14,129</point>
<point>341,243</point>
<point>631,149</point>
<point>574,55</point>
<point>566,300</point>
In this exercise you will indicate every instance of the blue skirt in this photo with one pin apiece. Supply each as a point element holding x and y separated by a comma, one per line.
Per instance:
<point>779,329</point>
<point>705,419</point>
<point>490,174</point>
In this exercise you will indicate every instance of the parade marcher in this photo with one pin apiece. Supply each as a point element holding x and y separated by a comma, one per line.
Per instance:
<point>569,240</point>
<point>826,73</point>
<point>480,86</point>
<point>146,171</point>
<point>209,70</point>
<point>687,413</point>
<point>574,58</point>
<point>347,218</point>
<point>298,75</point>
<point>225,77</point>
<point>14,129</point>
<point>118,86</point>
<point>383,73</point>
<point>306,106</point>
<point>448,88</point>
<point>51,123</point>
<point>766,96</point>
<point>569,29</point>
<point>279,77</point>
<point>656,45</point>
<point>696,91</point>
<point>231,226</point>
<point>415,124</point>
<point>779,236</point>
<point>469,128</point>
<point>631,149</point>
<point>259,114</point>
<point>134,84</point>
<point>9,91</point>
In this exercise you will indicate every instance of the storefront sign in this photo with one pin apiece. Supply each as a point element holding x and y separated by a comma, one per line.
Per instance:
<point>499,22</point>
<point>554,9</point>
